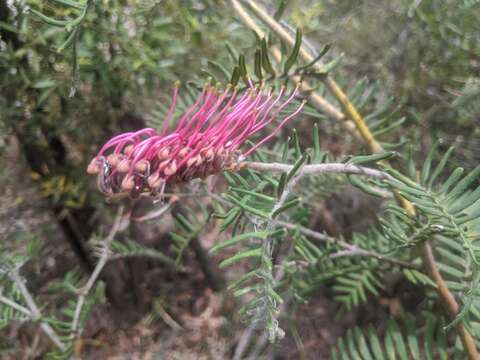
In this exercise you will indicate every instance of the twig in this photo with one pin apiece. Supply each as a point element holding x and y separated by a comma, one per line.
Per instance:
<point>317,169</point>
<point>34,311</point>
<point>166,317</point>
<point>325,238</point>
<point>95,274</point>
<point>15,306</point>
<point>350,249</point>
<point>352,113</point>
<point>156,213</point>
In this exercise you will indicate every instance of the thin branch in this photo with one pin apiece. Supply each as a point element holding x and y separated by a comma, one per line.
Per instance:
<point>350,249</point>
<point>35,313</point>
<point>318,169</point>
<point>157,212</point>
<point>95,274</point>
<point>330,239</point>
<point>15,306</point>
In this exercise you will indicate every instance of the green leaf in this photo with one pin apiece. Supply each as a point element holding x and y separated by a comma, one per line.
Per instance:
<point>397,337</point>
<point>316,142</point>
<point>281,9</point>
<point>364,159</point>
<point>428,162</point>
<point>49,20</point>
<point>242,279</point>
<point>232,52</point>
<point>329,67</point>
<point>298,164</point>
<point>440,166</point>
<point>266,64</point>
<point>242,66</point>
<point>365,186</point>
<point>296,143</point>
<point>248,208</point>
<point>69,3</point>
<point>316,59</point>
<point>281,184</point>
<point>286,206</point>
<point>464,184</point>
<point>452,180</point>
<point>45,83</point>
<point>239,238</point>
<point>235,76</point>
<point>258,65</point>
<point>252,253</point>
<point>230,217</point>
<point>69,41</point>
<point>389,128</point>
<point>295,51</point>
<point>254,194</point>
<point>219,68</point>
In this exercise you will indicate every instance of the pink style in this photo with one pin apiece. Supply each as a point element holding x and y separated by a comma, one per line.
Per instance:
<point>205,141</point>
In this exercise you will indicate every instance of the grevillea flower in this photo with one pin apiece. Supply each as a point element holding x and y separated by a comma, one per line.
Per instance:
<point>206,140</point>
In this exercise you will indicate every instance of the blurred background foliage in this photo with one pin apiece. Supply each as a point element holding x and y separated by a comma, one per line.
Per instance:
<point>56,107</point>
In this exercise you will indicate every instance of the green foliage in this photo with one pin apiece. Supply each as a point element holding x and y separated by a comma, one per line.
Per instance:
<point>467,103</point>
<point>408,340</point>
<point>9,314</point>
<point>123,53</point>
<point>188,224</point>
<point>449,213</point>
<point>132,248</point>
<point>64,322</point>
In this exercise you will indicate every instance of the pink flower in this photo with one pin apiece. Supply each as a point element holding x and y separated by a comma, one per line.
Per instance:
<point>206,140</point>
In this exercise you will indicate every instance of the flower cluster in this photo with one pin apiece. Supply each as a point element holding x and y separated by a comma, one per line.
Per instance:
<point>206,140</point>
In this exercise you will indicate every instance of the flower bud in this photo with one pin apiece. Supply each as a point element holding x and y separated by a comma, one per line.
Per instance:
<point>163,165</point>
<point>171,169</point>
<point>94,167</point>
<point>114,159</point>
<point>184,151</point>
<point>210,154</point>
<point>123,166</point>
<point>155,181</point>
<point>128,183</point>
<point>164,153</point>
<point>142,165</point>
<point>191,162</point>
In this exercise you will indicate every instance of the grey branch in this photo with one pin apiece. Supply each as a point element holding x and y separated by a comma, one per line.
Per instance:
<point>34,311</point>
<point>318,169</point>
<point>95,274</point>
<point>15,306</point>
<point>349,249</point>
